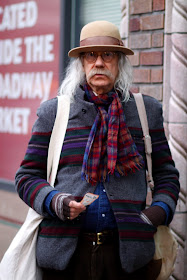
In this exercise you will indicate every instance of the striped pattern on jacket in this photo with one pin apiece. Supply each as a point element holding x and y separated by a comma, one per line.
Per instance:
<point>126,194</point>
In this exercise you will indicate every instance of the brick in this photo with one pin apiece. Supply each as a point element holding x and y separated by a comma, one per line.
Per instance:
<point>152,90</point>
<point>156,75</point>
<point>134,89</point>
<point>152,22</point>
<point>134,24</point>
<point>157,40</point>
<point>140,6</point>
<point>180,263</point>
<point>166,129</point>
<point>151,58</point>
<point>134,59</point>
<point>141,75</point>
<point>140,41</point>
<point>158,5</point>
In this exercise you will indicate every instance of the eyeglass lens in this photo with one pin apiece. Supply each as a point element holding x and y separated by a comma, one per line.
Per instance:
<point>92,56</point>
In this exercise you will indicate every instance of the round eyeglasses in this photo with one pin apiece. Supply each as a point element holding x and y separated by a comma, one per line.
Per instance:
<point>91,57</point>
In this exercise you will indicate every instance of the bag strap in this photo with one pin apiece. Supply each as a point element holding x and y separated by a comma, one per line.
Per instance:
<point>147,139</point>
<point>57,137</point>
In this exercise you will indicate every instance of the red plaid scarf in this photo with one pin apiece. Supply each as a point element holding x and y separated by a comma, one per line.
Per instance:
<point>110,147</point>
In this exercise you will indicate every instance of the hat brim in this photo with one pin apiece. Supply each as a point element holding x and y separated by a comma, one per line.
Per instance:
<point>77,51</point>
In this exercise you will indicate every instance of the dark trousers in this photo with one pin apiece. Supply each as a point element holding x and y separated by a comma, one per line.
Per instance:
<point>100,262</point>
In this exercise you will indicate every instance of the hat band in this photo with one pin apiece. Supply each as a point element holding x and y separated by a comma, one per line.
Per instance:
<point>100,40</point>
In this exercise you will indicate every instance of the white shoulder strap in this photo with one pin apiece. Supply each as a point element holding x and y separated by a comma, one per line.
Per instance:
<point>147,139</point>
<point>57,137</point>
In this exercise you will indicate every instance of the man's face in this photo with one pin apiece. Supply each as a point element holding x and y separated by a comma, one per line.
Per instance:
<point>101,69</point>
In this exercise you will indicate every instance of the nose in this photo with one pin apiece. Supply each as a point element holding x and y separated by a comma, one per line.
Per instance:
<point>99,62</point>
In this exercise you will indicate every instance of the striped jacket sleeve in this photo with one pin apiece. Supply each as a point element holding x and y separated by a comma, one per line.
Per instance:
<point>31,177</point>
<point>165,174</point>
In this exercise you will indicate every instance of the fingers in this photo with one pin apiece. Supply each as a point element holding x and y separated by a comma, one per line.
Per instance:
<point>75,209</point>
<point>77,205</point>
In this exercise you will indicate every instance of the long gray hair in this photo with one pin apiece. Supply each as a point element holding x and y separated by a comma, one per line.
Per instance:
<point>75,77</point>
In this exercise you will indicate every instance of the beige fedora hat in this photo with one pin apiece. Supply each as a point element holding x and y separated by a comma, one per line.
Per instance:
<point>100,36</point>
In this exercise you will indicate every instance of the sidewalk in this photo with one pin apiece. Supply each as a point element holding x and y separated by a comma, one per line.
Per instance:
<point>12,214</point>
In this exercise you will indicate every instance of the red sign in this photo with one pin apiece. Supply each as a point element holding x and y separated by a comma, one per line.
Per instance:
<point>29,72</point>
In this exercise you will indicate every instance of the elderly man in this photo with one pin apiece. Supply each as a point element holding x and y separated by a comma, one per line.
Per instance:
<point>103,153</point>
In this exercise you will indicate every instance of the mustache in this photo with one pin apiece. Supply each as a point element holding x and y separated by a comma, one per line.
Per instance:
<point>100,72</point>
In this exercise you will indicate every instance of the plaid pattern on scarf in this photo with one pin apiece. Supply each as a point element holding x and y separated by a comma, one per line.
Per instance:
<point>110,147</point>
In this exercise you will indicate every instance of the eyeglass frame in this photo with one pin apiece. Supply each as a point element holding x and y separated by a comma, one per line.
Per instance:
<point>96,57</point>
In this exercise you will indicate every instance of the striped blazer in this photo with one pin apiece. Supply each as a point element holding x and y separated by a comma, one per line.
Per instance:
<point>57,239</point>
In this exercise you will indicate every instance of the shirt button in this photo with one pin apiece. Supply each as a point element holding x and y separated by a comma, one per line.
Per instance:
<point>103,215</point>
<point>84,111</point>
<point>104,190</point>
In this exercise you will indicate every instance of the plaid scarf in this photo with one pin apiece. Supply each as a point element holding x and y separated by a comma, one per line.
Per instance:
<point>110,147</point>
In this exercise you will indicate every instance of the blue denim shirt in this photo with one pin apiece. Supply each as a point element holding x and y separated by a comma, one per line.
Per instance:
<point>99,215</point>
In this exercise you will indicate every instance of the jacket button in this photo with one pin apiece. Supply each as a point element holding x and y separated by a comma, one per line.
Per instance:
<point>84,111</point>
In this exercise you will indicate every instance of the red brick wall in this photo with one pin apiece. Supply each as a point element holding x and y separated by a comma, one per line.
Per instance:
<point>146,38</point>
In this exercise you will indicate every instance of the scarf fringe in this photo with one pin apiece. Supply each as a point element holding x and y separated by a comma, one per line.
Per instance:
<point>124,170</point>
<point>92,181</point>
<point>120,170</point>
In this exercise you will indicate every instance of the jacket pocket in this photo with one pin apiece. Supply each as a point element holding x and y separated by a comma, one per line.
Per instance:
<point>133,227</point>
<point>137,245</point>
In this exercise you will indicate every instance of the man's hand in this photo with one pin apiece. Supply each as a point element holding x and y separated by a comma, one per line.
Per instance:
<point>75,208</point>
<point>156,215</point>
<point>66,207</point>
